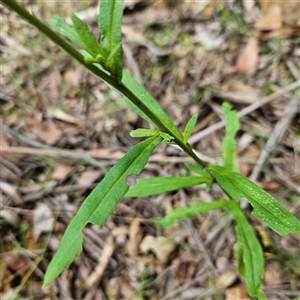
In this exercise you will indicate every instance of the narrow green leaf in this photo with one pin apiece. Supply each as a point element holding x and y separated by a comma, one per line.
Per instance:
<point>188,212</point>
<point>197,170</point>
<point>88,40</point>
<point>99,204</point>
<point>63,28</point>
<point>145,99</point>
<point>167,138</point>
<point>201,172</point>
<point>154,108</point>
<point>110,22</point>
<point>249,253</point>
<point>157,185</point>
<point>141,132</point>
<point>189,128</point>
<point>266,208</point>
<point>229,144</point>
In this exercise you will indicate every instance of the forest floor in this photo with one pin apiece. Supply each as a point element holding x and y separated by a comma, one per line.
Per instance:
<point>62,129</point>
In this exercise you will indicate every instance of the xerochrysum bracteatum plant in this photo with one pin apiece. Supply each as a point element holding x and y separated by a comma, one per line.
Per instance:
<point>105,60</point>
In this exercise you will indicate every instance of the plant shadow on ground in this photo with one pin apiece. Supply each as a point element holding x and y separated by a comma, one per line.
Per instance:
<point>182,55</point>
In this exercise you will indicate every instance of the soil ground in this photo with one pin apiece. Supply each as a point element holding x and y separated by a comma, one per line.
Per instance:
<point>62,129</point>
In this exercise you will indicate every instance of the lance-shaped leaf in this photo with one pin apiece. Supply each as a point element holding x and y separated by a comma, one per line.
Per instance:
<point>87,38</point>
<point>197,170</point>
<point>63,28</point>
<point>188,212</point>
<point>266,208</point>
<point>141,132</point>
<point>87,43</point>
<point>153,108</point>
<point>229,144</point>
<point>157,185</point>
<point>99,204</point>
<point>189,128</point>
<point>201,172</point>
<point>110,22</point>
<point>249,253</point>
<point>144,104</point>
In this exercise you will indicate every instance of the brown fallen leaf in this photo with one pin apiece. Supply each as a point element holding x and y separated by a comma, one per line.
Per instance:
<point>61,171</point>
<point>46,131</point>
<point>226,279</point>
<point>271,20</point>
<point>274,273</point>
<point>248,57</point>
<point>42,219</point>
<point>284,32</point>
<point>237,292</point>
<point>12,191</point>
<point>240,87</point>
<point>96,275</point>
<point>290,9</point>
<point>135,237</point>
<point>161,246</point>
<point>88,177</point>
<point>17,263</point>
<point>248,5</point>
<point>63,116</point>
<point>3,140</point>
<point>11,217</point>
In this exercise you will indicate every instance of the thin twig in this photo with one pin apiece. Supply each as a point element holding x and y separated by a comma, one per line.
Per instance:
<point>200,135</point>
<point>277,134</point>
<point>43,149</point>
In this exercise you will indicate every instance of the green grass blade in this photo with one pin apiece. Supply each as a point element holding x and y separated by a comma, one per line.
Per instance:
<point>188,212</point>
<point>157,185</point>
<point>189,128</point>
<point>87,38</point>
<point>266,208</point>
<point>249,253</point>
<point>99,204</point>
<point>229,144</point>
<point>63,28</point>
<point>110,21</point>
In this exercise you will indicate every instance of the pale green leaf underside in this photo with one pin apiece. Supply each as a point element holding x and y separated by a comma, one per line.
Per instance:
<point>157,185</point>
<point>229,144</point>
<point>249,254</point>
<point>189,128</point>
<point>99,204</point>
<point>188,212</point>
<point>266,208</point>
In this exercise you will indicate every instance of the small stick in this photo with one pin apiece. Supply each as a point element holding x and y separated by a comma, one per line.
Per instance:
<point>277,134</point>
<point>200,135</point>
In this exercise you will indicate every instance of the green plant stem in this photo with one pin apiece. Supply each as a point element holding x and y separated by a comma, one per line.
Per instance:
<point>21,11</point>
